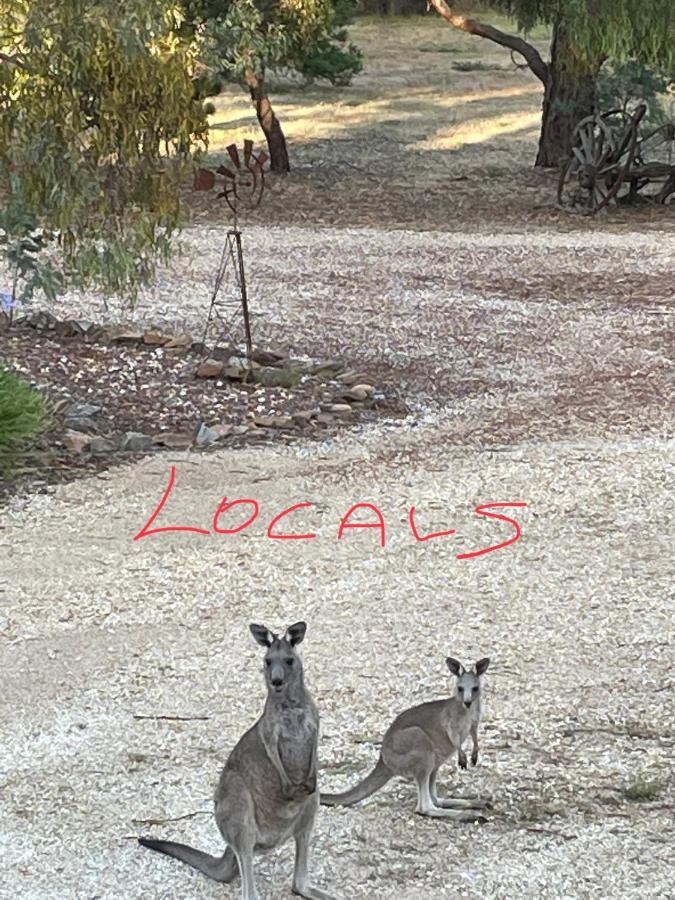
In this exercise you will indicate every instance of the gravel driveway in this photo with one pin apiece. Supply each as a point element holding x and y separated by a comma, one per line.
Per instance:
<point>538,368</point>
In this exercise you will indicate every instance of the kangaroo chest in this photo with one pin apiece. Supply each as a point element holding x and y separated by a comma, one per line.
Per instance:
<point>458,726</point>
<point>297,736</point>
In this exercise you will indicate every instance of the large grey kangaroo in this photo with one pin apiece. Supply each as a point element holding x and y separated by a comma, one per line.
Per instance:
<point>420,740</point>
<point>268,788</point>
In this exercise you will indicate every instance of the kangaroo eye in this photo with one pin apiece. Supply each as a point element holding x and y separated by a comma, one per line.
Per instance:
<point>289,661</point>
<point>475,688</point>
<point>268,662</point>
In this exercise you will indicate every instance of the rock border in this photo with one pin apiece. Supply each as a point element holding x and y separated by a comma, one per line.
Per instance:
<point>267,367</point>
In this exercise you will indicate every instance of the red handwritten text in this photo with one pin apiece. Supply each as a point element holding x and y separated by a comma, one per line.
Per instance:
<point>227,520</point>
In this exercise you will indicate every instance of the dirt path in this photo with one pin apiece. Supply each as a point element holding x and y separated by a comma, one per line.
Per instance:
<point>527,382</point>
<point>528,335</point>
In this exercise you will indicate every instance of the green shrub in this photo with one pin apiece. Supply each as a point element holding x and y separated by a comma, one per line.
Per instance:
<point>333,63</point>
<point>332,57</point>
<point>643,791</point>
<point>623,85</point>
<point>21,412</point>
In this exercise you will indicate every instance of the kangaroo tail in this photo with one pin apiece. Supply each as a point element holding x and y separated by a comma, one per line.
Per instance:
<point>220,868</point>
<point>371,783</point>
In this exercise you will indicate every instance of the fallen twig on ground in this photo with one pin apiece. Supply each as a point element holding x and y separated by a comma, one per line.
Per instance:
<point>198,812</point>
<point>174,718</point>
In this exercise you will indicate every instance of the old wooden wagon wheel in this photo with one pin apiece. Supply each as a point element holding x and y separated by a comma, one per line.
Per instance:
<point>603,150</point>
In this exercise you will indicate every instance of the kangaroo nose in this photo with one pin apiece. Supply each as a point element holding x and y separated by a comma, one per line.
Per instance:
<point>277,682</point>
<point>467,703</point>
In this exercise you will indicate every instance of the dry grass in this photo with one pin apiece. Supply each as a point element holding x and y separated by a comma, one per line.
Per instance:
<point>414,140</point>
<point>408,86</point>
<point>440,130</point>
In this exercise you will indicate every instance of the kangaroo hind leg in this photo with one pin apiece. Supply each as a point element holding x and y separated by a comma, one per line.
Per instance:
<point>303,836</point>
<point>453,802</point>
<point>235,815</point>
<point>426,806</point>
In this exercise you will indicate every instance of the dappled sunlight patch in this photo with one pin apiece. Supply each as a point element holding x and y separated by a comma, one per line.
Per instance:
<point>478,130</point>
<point>410,116</point>
<point>495,93</point>
<point>417,110</point>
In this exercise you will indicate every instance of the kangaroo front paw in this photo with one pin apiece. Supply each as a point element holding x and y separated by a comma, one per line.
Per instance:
<point>309,786</point>
<point>298,791</point>
<point>461,759</point>
<point>311,892</point>
<point>289,791</point>
<point>304,790</point>
<point>474,758</point>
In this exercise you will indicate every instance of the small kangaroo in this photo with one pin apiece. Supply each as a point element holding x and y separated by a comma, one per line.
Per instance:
<point>468,691</point>
<point>420,740</point>
<point>268,787</point>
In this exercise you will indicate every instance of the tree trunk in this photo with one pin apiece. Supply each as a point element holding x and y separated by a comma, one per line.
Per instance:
<point>276,142</point>
<point>569,95</point>
<point>569,91</point>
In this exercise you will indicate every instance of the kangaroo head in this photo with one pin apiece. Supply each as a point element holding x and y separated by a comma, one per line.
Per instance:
<point>283,666</point>
<point>468,680</point>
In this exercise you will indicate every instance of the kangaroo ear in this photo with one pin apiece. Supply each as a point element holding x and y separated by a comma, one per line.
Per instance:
<point>455,666</point>
<point>295,633</point>
<point>482,665</point>
<point>262,635</point>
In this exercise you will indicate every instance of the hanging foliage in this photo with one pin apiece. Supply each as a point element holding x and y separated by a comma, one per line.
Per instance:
<point>585,33</point>
<point>98,117</point>
<point>244,39</point>
<point>288,34</point>
<point>615,29</point>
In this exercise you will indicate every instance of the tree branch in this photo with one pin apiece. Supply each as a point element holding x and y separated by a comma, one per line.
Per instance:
<point>471,26</point>
<point>13,60</point>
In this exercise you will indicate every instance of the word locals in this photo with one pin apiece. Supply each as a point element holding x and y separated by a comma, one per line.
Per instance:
<point>277,532</point>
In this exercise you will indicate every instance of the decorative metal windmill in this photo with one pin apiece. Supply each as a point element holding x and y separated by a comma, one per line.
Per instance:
<point>242,187</point>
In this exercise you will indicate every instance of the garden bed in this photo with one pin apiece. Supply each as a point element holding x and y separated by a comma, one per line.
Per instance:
<point>114,393</point>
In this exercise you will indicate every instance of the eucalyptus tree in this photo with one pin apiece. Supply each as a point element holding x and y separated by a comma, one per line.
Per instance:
<point>245,39</point>
<point>98,120</point>
<point>585,33</point>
